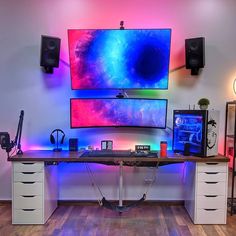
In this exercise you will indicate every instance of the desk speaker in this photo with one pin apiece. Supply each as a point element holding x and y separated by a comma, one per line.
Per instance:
<point>50,53</point>
<point>195,54</point>
<point>73,144</point>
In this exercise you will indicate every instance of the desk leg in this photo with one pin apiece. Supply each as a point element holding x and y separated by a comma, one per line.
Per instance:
<point>121,184</point>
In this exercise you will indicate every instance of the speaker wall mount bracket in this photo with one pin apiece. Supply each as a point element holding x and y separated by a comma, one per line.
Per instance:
<point>48,69</point>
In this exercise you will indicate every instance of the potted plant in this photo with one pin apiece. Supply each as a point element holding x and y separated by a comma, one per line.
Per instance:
<point>203,103</point>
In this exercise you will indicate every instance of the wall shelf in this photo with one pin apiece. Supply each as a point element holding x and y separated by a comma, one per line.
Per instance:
<point>230,146</point>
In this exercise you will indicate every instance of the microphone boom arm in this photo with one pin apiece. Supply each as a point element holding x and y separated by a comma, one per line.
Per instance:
<point>17,141</point>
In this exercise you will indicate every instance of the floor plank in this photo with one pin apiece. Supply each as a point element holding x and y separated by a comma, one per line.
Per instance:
<point>91,219</point>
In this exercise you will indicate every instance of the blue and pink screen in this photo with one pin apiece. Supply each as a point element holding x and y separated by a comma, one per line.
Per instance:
<point>119,59</point>
<point>124,112</point>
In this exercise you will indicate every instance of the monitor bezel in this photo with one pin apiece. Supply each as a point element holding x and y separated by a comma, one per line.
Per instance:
<point>118,126</point>
<point>169,29</point>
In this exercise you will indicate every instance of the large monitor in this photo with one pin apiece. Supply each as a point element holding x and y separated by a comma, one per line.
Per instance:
<point>119,59</point>
<point>116,112</point>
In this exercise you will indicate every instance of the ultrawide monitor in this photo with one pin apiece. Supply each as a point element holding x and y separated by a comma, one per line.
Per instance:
<point>115,112</point>
<point>119,59</point>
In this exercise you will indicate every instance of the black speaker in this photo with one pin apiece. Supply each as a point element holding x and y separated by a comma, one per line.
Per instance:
<point>195,54</point>
<point>50,53</point>
<point>73,144</point>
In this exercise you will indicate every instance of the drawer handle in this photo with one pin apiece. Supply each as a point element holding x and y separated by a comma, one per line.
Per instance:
<point>212,173</point>
<point>27,182</point>
<point>28,163</point>
<point>212,163</point>
<point>28,196</point>
<point>28,209</point>
<point>27,173</point>
<point>210,195</point>
<point>210,209</point>
<point>211,182</point>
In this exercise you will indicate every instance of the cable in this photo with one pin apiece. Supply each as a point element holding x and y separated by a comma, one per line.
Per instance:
<point>107,204</point>
<point>90,173</point>
<point>13,152</point>
<point>153,179</point>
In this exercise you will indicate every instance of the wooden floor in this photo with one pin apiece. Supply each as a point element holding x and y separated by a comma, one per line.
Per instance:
<point>91,219</point>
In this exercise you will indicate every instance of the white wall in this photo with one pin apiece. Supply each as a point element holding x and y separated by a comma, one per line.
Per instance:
<point>45,98</point>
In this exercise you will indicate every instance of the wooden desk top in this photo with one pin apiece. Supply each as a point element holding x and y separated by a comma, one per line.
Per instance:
<point>66,156</point>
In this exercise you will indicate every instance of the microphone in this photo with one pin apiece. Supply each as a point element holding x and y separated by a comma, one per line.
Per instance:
<point>5,141</point>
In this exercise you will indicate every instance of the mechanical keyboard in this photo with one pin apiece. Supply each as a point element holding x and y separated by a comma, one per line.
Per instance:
<point>107,153</point>
<point>118,153</point>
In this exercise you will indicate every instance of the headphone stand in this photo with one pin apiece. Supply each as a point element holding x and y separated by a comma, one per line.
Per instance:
<point>57,149</point>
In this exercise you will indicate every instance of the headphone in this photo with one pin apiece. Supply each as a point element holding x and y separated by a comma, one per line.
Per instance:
<point>52,139</point>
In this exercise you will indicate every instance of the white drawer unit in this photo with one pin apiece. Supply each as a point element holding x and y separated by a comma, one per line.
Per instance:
<point>28,166</point>
<point>212,167</point>
<point>28,202</point>
<point>210,202</point>
<point>27,216</point>
<point>28,188</point>
<point>34,189</point>
<point>210,188</point>
<point>28,177</point>
<point>206,192</point>
<point>212,176</point>
<point>210,216</point>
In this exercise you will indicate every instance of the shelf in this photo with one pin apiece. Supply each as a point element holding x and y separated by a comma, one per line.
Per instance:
<point>230,116</point>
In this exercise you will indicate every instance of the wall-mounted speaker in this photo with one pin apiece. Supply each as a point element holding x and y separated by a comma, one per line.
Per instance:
<point>50,53</point>
<point>195,54</point>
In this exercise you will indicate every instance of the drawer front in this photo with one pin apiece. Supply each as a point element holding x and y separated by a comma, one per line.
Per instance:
<point>28,166</point>
<point>211,202</point>
<point>212,167</point>
<point>211,188</point>
<point>28,176</point>
<point>32,216</point>
<point>212,176</point>
<point>205,216</point>
<point>28,202</point>
<point>28,188</point>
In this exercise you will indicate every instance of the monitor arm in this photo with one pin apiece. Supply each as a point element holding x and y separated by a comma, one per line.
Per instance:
<point>122,94</point>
